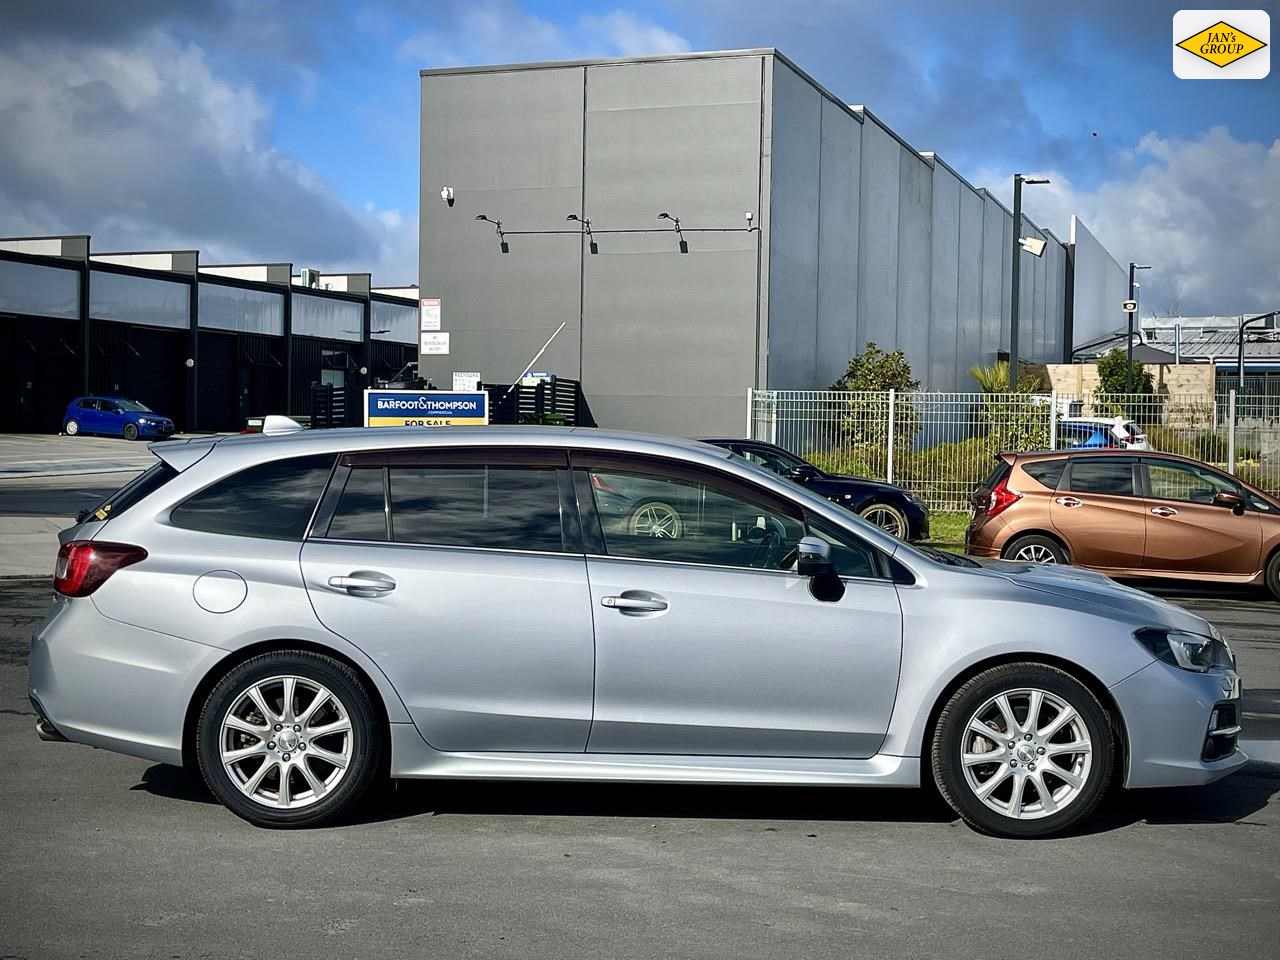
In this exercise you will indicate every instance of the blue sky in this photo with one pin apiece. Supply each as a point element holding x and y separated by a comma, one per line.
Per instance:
<point>268,129</point>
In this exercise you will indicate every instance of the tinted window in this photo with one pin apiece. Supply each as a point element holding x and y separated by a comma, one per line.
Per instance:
<point>88,404</point>
<point>775,460</point>
<point>852,557</point>
<point>476,506</point>
<point>1045,472</point>
<point>998,473</point>
<point>143,485</point>
<point>1110,475</point>
<point>273,500</point>
<point>658,518</point>
<point>361,511</point>
<point>1186,483</point>
<point>133,406</point>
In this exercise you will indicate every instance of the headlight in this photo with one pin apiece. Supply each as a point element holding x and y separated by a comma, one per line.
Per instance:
<point>143,421</point>
<point>914,499</point>
<point>1190,651</point>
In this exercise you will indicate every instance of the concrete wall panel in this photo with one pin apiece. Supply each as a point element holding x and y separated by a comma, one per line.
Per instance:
<point>915,254</point>
<point>1100,288</point>
<point>969,295</point>
<point>838,331</point>
<point>880,185</point>
<point>944,290</point>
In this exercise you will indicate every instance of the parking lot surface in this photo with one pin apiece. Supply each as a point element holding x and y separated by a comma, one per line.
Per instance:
<point>107,856</point>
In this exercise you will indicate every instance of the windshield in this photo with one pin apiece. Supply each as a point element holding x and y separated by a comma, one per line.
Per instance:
<point>133,406</point>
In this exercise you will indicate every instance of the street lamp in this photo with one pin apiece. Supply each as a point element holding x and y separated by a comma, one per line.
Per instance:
<point>1128,370</point>
<point>1240,350</point>
<point>1018,246</point>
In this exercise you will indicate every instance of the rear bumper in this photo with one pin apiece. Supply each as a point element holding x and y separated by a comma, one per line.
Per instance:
<point>1167,713</point>
<point>107,684</point>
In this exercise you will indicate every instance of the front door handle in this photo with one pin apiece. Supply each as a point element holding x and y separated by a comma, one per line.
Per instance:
<point>364,583</point>
<point>1164,511</point>
<point>1070,502</point>
<point>634,604</point>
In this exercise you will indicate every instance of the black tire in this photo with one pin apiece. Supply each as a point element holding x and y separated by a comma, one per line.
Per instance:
<point>71,428</point>
<point>1273,575</point>
<point>1035,543</point>
<point>130,431</point>
<point>887,511</point>
<point>366,739</point>
<point>950,741</point>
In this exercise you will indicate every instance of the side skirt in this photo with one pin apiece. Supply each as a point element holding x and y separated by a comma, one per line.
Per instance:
<point>411,758</point>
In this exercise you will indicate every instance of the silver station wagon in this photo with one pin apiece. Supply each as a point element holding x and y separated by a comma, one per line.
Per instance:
<point>295,615</point>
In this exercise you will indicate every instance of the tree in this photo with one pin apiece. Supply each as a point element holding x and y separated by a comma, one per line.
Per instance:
<point>995,378</point>
<point>1112,368</point>
<point>873,369</point>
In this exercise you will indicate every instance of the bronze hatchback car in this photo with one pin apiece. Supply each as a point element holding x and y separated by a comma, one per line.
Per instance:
<point>1127,514</point>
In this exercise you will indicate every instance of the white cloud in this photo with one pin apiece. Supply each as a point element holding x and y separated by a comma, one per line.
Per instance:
<point>500,31</point>
<point>1205,213</point>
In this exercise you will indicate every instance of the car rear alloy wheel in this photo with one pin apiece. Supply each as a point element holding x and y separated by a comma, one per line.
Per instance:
<point>72,428</point>
<point>888,518</point>
<point>656,519</point>
<point>288,739</point>
<point>1023,750</point>
<point>1035,549</point>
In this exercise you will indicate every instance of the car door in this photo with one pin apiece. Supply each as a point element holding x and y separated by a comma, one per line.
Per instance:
<point>1098,512</point>
<point>459,571</point>
<point>1187,532</point>
<point>90,416</point>
<point>708,644</point>
<point>111,420</point>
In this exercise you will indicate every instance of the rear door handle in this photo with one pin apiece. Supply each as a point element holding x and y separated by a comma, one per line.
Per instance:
<point>364,583</point>
<point>1164,511</point>
<point>626,604</point>
<point>1070,502</point>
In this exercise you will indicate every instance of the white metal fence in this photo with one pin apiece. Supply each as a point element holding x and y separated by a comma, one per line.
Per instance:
<point>941,445</point>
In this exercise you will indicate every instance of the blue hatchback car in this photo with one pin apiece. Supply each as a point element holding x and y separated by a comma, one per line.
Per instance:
<point>115,417</point>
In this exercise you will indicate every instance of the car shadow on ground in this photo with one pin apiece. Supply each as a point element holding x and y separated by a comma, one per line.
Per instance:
<point>1236,799</point>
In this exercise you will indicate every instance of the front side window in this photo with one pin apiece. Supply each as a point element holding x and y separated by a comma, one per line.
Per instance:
<point>1106,475</point>
<point>853,557</point>
<point>1186,483</point>
<point>272,501</point>
<point>651,517</point>
<point>496,507</point>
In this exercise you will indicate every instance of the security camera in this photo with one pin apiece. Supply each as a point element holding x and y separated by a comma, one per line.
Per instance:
<point>750,217</point>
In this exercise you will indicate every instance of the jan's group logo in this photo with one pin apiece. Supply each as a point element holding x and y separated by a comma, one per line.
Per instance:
<point>1221,44</point>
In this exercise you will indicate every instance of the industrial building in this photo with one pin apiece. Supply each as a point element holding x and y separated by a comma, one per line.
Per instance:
<point>208,345</point>
<point>702,224</point>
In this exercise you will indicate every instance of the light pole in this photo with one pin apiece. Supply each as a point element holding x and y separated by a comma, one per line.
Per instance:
<point>1128,370</point>
<point>1240,351</point>
<point>1015,284</point>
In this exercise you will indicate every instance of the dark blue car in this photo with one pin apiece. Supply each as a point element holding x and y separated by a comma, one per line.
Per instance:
<point>115,417</point>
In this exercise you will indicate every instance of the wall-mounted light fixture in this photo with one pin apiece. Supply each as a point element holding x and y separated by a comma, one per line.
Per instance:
<point>446,194</point>
<point>675,222</point>
<point>586,228</point>
<point>750,221</point>
<point>1033,245</point>
<point>497,228</point>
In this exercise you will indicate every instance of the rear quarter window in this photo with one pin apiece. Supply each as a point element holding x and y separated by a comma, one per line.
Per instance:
<point>137,489</point>
<point>1047,473</point>
<point>271,501</point>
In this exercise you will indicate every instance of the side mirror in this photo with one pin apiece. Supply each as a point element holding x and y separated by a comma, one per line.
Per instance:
<point>1232,501</point>
<point>813,560</point>
<point>802,474</point>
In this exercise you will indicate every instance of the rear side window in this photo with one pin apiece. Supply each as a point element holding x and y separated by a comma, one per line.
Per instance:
<point>1047,473</point>
<point>361,513</point>
<point>143,485</point>
<point>272,501</point>
<point>501,508</point>
<point>1110,475</point>
<point>998,473</point>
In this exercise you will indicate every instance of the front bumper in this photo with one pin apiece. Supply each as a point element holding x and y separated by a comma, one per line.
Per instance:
<point>153,430</point>
<point>1168,714</point>
<point>107,684</point>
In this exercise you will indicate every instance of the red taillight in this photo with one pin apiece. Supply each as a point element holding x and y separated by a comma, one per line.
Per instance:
<point>602,485</point>
<point>1002,497</point>
<point>84,565</point>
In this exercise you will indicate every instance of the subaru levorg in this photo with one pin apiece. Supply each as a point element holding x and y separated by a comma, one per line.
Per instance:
<point>290,613</point>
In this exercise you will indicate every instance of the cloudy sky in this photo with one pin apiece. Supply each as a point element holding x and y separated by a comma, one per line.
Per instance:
<point>277,130</point>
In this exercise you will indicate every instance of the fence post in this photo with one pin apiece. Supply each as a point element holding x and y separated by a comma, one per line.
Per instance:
<point>889,464</point>
<point>773,417</point>
<point>1231,437</point>
<point>751,412</point>
<point>1053,419</point>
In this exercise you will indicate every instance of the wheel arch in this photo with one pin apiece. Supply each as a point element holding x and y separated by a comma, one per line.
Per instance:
<point>1119,730</point>
<point>237,657</point>
<point>1037,532</point>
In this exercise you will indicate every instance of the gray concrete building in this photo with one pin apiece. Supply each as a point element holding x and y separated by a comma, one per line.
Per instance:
<point>806,227</point>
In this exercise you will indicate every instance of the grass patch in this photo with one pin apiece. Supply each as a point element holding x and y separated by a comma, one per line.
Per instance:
<point>947,527</point>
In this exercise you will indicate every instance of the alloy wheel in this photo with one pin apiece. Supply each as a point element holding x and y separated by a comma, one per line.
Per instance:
<point>887,519</point>
<point>1035,553</point>
<point>657,520</point>
<point>286,742</point>
<point>1026,753</point>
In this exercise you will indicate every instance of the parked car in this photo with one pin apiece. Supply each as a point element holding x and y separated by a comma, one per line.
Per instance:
<point>115,417</point>
<point>1144,515</point>
<point>898,511</point>
<point>1100,432</point>
<point>450,604</point>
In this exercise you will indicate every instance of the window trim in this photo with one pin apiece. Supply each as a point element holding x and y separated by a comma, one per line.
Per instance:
<point>1135,475</point>
<point>536,457</point>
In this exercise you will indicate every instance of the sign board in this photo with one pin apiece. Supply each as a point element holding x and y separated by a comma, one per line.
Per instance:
<point>467,380</point>
<point>434,344</point>
<point>425,408</point>
<point>429,312</point>
<point>534,377</point>
<point>1130,306</point>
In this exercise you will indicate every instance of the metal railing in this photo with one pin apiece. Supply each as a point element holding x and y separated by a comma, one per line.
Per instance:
<point>941,445</point>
